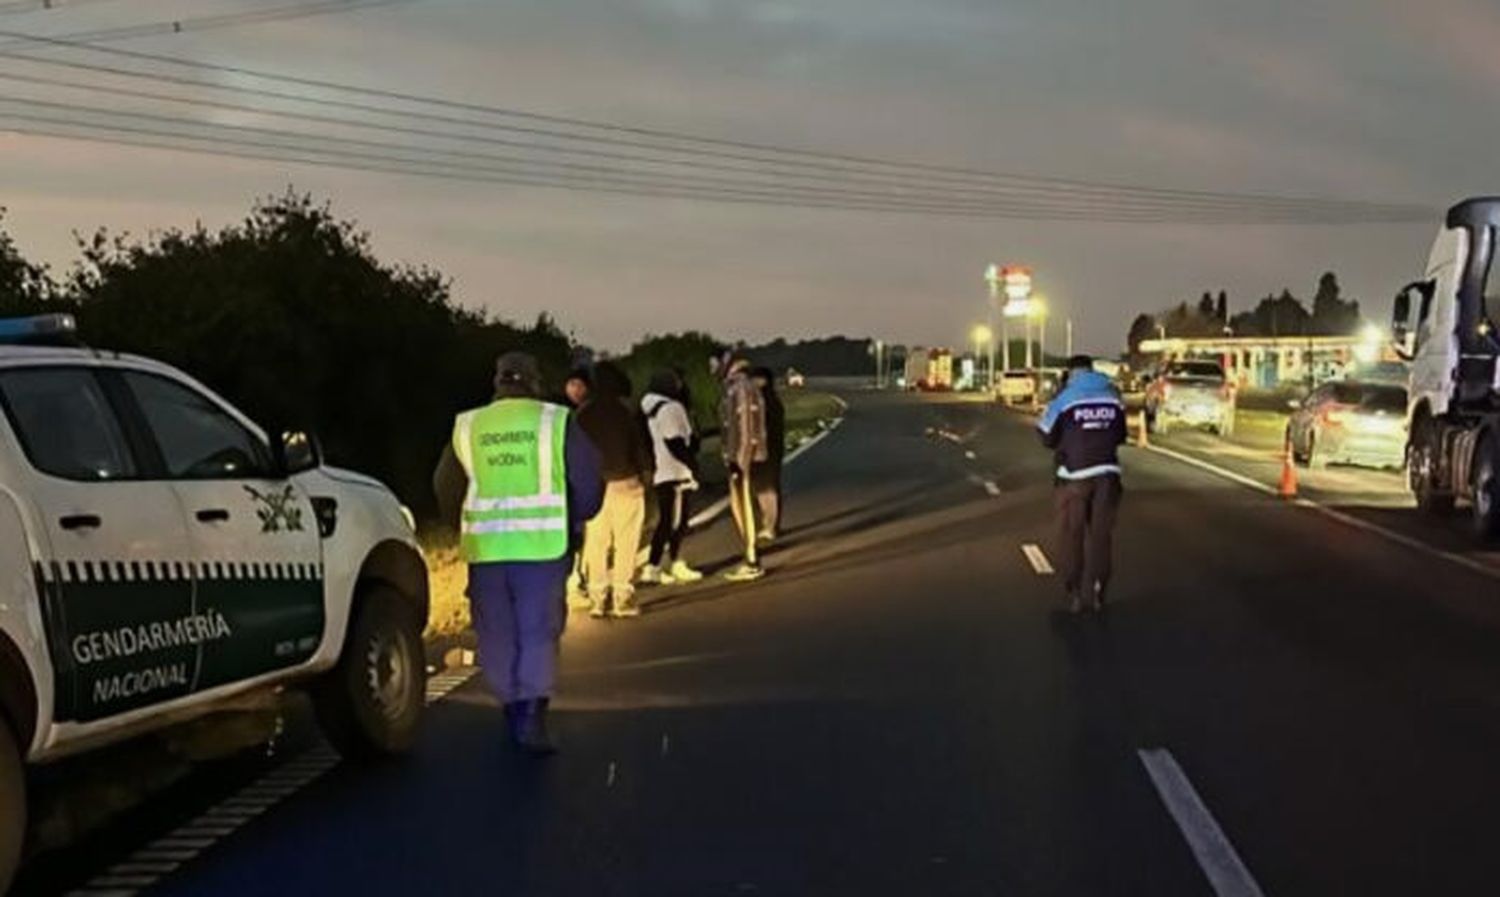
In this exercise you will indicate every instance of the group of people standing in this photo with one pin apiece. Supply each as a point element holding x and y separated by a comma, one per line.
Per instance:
<point>650,455</point>
<point>550,498</point>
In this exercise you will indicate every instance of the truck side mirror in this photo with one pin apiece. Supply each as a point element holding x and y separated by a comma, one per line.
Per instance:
<point>1403,335</point>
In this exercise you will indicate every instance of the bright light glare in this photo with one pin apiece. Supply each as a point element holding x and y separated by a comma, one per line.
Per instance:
<point>1370,340</point>
<point>982,334</point>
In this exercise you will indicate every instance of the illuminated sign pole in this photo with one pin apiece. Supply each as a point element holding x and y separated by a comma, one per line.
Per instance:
<point>1017,285</point>
<point>992,277</point>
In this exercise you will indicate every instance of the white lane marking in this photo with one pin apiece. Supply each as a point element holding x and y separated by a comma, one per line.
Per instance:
<point>1243,480</point>
<point>1374,529</point>
<point>991,487</point>
<point>1216,856</point>
<point>708,514</point>
<point>148,865</point>
<point>666,745</point>
<point>609,779</point>
<point>1038,559</point>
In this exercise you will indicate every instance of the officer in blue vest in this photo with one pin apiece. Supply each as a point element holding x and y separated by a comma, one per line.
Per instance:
<point>1084,425</point>
<point>520,478</point>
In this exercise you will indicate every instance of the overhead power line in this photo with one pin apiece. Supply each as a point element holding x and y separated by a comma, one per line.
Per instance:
<point>246,151</point>
<point>213,22</point>
<point>284,147</point>
<point>783,159</point>
<point>894,186</point>
<point>16,7</point>
<point>61,113</point>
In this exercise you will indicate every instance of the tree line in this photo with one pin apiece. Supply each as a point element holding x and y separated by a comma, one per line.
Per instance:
<point>290,315</point>
<point>1274,315</point>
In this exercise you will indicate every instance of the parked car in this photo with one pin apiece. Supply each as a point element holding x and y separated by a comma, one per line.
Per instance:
<point>1016,387</point>
<point>1350,422</point>
<point>795,379</point>
<point>1194,393</point>
<point>168,555</point>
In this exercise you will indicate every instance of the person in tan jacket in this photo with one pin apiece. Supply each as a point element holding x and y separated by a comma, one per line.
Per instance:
<point>744,444</point>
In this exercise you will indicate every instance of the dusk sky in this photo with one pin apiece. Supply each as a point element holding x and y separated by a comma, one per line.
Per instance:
<point>1386,100</point>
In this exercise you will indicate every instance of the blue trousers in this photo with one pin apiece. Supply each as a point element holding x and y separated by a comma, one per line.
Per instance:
<point>519,610</point>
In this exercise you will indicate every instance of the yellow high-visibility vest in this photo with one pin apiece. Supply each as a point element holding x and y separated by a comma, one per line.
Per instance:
<point>516,508</point>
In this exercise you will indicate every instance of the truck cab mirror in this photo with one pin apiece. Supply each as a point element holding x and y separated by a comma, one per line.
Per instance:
<point>1403,328</point>
<point>296,452</point>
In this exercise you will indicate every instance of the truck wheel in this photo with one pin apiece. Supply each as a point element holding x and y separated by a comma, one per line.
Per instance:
<point>1486,490</point>
<point>370,703</point>
<point>1421,469</point>
<point>12,806</point>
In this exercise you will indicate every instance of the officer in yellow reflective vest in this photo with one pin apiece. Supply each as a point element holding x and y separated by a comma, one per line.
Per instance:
<point>520,479</point>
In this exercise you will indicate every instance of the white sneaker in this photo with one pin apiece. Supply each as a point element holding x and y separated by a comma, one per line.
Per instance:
<point>650,575</point>
<point>681,572</point>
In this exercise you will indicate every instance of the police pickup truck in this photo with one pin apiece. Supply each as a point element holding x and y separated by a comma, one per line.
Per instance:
<point>162,554</point>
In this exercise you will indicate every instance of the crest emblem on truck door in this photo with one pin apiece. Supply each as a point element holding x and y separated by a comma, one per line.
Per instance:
<point>278,510</point>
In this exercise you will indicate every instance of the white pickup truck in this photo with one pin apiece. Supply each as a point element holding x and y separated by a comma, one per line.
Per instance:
<point>163,554</point>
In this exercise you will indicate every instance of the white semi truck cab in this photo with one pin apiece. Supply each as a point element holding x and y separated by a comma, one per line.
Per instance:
<point>1443,326</point>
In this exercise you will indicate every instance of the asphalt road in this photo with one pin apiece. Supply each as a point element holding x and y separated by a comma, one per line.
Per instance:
<point>900,707</point>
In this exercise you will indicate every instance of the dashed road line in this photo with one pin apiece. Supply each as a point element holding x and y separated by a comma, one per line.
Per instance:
<point>1215,855</point>
<point>148,865</point>
<point>1038,559</point>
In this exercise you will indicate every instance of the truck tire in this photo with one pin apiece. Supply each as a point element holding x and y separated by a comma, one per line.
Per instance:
<point>1421,468</point>
<point>369,705</point>
<point>12,806</point>
<point>1486,477</point>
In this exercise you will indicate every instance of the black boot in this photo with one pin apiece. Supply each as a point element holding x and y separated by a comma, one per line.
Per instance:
<point>513,719</point>
<point>531,729</point>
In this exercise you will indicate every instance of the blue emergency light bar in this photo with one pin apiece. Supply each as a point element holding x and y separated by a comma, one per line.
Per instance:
<point>39,330</point>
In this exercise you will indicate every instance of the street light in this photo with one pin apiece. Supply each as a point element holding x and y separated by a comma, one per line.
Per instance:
<point>983,336</point>
<point>1039,311</point>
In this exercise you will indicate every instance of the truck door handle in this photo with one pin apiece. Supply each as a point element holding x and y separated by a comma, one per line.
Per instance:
<point>213,515</point>
<point>80,521</point>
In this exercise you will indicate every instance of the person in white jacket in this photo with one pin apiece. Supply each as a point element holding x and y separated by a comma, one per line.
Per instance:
<point>676,451</point>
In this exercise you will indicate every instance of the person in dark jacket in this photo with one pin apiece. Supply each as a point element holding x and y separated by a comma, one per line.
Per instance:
<point>1084,425</point>
<point>613,537</point>
<point>577,387</point>
<point>765,476</point>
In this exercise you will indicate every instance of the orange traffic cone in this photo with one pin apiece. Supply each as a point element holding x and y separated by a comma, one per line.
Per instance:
<point>1140,430</point>
<point>1288,487</point>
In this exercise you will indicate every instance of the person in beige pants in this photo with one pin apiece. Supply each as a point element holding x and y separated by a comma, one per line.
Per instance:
<point>610,543</point>
<point>613,537</point>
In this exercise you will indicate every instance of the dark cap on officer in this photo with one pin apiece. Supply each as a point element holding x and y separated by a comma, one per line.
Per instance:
<point>517,373</point>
